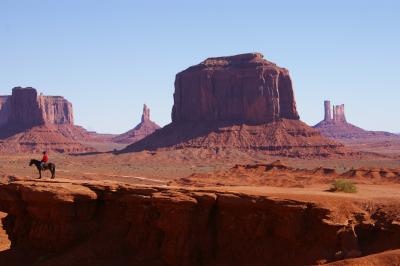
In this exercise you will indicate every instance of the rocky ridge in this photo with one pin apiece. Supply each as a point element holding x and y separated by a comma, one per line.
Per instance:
<point>277,174</point>
<point>70,222</point>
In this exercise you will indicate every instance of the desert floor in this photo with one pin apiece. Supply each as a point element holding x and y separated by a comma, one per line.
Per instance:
<point>161,168</point>
<point>157,168</point>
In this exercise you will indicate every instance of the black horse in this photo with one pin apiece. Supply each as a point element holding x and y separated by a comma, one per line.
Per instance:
<point>48,166</point>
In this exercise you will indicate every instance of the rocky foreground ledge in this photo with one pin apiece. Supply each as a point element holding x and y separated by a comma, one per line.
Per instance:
<point>103,223</point>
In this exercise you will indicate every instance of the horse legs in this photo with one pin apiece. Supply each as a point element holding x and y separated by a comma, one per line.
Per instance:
<point>53,173</point>
<point>40,174</point>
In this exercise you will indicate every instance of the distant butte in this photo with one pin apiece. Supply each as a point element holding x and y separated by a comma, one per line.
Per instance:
<point>140,131</point>
<point>335,126</point>
<point>242,102</point>
<point>25,109</point>
<point>33,123</point>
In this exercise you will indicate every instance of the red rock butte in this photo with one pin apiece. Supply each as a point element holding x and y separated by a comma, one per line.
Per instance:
<point>243,88</point>
<point>25,109</point>
<point>241,101</point>
<point>140,131</point>
<point>335,126</point>
<point>30,123</point>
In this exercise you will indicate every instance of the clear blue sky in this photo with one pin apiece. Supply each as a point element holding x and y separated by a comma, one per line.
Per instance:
<point>110,57</point>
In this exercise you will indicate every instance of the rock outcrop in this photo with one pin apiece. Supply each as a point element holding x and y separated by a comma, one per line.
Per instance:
<point>337,127</point>
<point>140,131</point>
<point>4,109</point>
<point>56,110</point>
<point>388,258</point>
<point>244,88</point>
<point>328,111</point>
<point>338,113</point>
<point>25,109</point>
<point>240,102</point>
<point>32,123</point>
<point>145,114</point>
<point>102,223</point>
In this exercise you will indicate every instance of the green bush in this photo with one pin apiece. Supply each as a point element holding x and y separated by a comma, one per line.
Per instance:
<point>343,185</point>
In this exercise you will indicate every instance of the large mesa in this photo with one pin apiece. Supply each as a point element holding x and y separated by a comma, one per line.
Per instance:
<point>243,88</point>
<point>32,122</point>
<point>25,109</point>
<point>241,102</point>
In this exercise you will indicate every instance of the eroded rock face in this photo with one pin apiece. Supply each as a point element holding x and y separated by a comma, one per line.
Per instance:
<point>242,88</point>
<point>32,123</point>
<point>104,223</point>
<point>338,113</point>
<point>237,102</point>
<point>145,128</point>
<point>146,114</point>
<point>25,109</point>
<point>328,111</point>
<point>334,114</point>
<point>336,126</point>
<point>56,110</point>
<point>4,109</point>
<point>283,138</point>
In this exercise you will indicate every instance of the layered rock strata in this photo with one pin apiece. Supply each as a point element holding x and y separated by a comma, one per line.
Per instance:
<point>33,123</point>
<point>25,109</point>
<point>242,88</point>
<point>240,102</point>
<point>103,223</point>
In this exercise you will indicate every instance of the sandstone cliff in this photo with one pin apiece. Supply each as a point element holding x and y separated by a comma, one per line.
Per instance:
<point>103,223</point>
<point>4,109</point>
<point>25,109</point>
<point>241,88</point>
<point>33,123</point>
<point>56,110</point>
<point>338,113</point>
<point>241,102</point>
<point>143,129</point>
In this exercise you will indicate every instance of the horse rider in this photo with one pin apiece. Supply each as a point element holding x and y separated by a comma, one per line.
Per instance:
<point>44,160</point>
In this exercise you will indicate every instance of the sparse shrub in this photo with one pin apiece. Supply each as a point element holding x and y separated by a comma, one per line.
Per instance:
<point>344,185</point>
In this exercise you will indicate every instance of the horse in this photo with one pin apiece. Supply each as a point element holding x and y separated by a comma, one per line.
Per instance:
<point>48,166</point>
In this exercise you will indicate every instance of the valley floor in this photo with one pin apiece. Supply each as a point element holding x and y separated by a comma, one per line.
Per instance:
<point>162,169</point>
<point>154,168</point>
